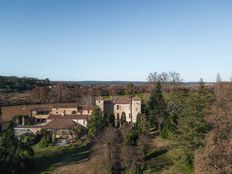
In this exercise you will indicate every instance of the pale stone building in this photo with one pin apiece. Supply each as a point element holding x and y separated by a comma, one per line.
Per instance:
<point>118,105</point>
<point>71,109</point>
<point>41,114</point>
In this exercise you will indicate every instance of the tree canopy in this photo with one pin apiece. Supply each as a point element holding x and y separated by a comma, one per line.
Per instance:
<point>96,123</point>
<point>157,107</point>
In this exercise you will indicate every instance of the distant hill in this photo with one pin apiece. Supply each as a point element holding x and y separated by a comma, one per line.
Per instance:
<point>83,83</point>
<point>103,82</point>
<point>19,84</point>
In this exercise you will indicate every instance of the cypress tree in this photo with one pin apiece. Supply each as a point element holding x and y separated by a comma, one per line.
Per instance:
<point>157,108</point>
<point>192,125</point>
<point>142,124</point>
<point>112,120</point>
<point>96,123</point>
<point>123,118</point>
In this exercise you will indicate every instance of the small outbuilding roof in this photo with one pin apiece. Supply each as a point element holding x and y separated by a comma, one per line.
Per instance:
<point>60,124</point>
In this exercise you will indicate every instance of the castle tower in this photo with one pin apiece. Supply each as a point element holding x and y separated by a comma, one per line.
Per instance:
<point>136,108</point>
<point>100,103</point>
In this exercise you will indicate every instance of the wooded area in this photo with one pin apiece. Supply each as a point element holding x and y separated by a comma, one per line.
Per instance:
<point>181,130</point>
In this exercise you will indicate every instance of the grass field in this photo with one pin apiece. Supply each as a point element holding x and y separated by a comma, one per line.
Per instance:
<point>164,159</point>
<point>76,159</point>
<point>49,158</point>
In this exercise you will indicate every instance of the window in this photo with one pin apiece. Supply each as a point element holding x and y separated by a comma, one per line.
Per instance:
<point>118,107</point>
<point>84,122</point>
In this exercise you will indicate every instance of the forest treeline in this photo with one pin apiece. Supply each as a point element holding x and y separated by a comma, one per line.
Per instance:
<point>16,84</point>
<point>195,123</point>
<point>21,91</point>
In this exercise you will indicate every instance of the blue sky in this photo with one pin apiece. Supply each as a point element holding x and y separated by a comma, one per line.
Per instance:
<point>115,39</point>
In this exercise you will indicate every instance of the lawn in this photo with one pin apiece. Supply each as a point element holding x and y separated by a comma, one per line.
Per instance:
<point>164,159</point>
<point>49,158</point>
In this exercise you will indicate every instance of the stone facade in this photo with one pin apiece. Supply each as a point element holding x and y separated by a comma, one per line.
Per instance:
<point>72,109</point>
<point>118,105</point>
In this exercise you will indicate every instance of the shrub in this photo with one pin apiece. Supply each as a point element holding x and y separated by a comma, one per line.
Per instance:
<point>30,139</point>
<point>131,138</point>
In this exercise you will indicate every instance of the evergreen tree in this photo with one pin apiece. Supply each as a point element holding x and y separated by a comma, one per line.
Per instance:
<point>157,108</point>
<point>112,120</point>
<point>131,90</point>
<point>192,126</point>
<point>15,156</point>
<point>142,124</point>
<point>218,78</point>
<point>123,118</point>
<point>96,123</point>
<point>144,108</point>
<point>176,103</point>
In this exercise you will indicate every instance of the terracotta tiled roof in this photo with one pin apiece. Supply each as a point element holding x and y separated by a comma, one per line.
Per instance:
<point>136,98</point>
<point>74,116</point>
<point>71,105</point>
<point>85,107</point>
<point>120,100</point>
<point>99,98</point>
<point>60,124</point>
<point>9,112</point>
<point>42,109</point>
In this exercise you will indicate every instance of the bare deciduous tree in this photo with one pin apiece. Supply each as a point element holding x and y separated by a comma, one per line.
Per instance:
<point>175,77</point>
<point>87,100</point>
<point>115,155</point>
<point>108,149</point>
<point>216,156</point>
<point>171,76</point>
